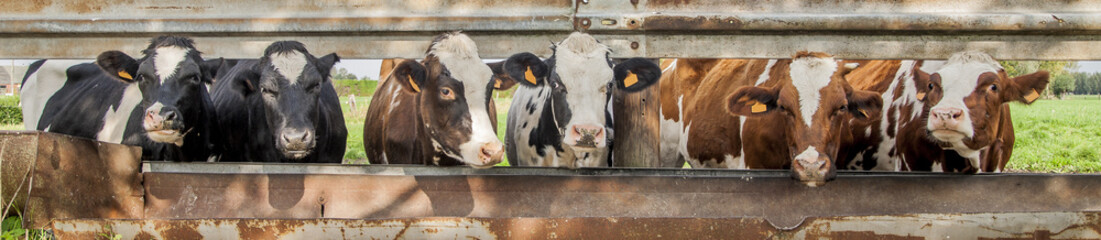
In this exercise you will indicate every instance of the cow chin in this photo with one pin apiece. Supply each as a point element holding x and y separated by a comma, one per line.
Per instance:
<point>296,154</point>
<point>947,135</point>
<point>165,136</point>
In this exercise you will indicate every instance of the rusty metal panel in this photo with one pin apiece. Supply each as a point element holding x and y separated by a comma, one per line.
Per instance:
<point>17,155</point>
<point>1042,225</point>
<point>771,195</point>
<point>71,177</point>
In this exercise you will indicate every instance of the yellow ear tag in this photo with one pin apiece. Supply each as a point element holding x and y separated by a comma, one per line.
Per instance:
<point>865,113</point>
<point>414,84</point>
<point>124,74</point>
<point>758,107</point>
<point>630,80</point>
<point>1032,96</point>
<point>529,76</point>
<point>496,83</point>
<point>921,96</point>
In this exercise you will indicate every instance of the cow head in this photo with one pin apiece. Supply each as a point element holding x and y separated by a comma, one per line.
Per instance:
<point>810,102</point>
<point>172,78</point>
<point>455,101</point>
<point>966,96</point>
<point>581,79</point>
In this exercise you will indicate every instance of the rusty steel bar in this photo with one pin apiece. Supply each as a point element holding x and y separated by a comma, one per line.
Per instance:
<point>853,29</point>
<point>1042,225</point>
<point>61,176</point>
<point>770,195</point>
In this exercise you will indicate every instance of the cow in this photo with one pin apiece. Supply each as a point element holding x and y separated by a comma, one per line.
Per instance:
<point>159,102</point>
<point>281,108</point>
<point>438,111</point>
<point>954,120</point>
<point>762,114</point>
<point>562,117</point>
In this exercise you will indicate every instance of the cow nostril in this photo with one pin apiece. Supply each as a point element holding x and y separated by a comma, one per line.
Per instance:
<point>170,116</point>
<point>306,136</point>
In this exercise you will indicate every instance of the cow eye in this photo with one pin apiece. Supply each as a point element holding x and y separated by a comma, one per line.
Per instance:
<point>446,93</point>
<point>268,91</point>
<point>930,86</point>
<point>994,87</point>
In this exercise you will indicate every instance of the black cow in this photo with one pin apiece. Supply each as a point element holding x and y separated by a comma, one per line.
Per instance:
<point>565,120</point>
<point>158,102</point>
<point>281,108</point>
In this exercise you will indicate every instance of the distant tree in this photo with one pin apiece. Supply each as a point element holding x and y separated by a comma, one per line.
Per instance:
<point>1061,85</point>
<point>342,74</point>
<point>366,78</point>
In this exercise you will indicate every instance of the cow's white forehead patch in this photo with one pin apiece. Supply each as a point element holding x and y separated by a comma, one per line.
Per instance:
<point>167,61</point>
<point>582,66</point>
<point>290,64</point>
<point>809,75</point>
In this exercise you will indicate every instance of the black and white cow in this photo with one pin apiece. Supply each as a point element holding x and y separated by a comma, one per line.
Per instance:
<point>159,102</point>
<point>439,111</point>
<point>564,120</point>
<point>281,108</point>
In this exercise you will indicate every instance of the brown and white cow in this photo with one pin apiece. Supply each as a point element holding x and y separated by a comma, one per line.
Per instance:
<point>436,112</point>
<point>954,120</point>
<point>762,114</point>
<point>870,145</point>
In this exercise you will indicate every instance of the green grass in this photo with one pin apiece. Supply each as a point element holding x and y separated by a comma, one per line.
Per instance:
<point>1057,135</point>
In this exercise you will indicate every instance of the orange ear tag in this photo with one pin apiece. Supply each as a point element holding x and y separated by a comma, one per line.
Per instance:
<point>414,84</point>
<point>865,113</point>
<point>921,96</point>
<point>630,80</point>
<point>124,74</point>
<point>529,76</point>
<point>1032,96</point>
<point>496,83</point>
<point>758,107</point>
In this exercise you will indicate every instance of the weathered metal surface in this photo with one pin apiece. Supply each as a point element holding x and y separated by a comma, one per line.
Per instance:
<point>1043,225</point>
<point>771,195</point>
<point>853,29</point>
<point>67,177</point>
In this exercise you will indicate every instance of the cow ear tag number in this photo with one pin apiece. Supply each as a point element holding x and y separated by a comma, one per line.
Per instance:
<point>529,76</point>
<point>124,74</point>
<point>630,80</point>
<point>414,84</point>
<point>758,107</point>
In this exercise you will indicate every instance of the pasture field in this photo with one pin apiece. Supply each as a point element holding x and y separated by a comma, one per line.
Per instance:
<point>1057,135</point>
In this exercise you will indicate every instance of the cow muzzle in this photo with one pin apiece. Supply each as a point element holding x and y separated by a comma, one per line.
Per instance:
<point>947,123</point>
<point>296,143</point>
<point>489,155</point>
<point>163,125</point>
<point>812,168</point>
<point>585,136</point>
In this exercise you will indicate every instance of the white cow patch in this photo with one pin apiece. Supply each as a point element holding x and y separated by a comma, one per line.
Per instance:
<point>40,86</point>
<point>168,60</point>
<point>904,75</point>
<point>116,119</point>
<point>460,55</point>
<point>289,64</point>
<point>810,153</point>
<point>764,75</point>
<point>809,75</point>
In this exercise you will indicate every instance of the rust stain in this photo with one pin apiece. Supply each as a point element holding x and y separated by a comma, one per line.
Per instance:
<point>178,230</point>
<point>28,6</point>
<point>661,22</point>
<point>143,236</point>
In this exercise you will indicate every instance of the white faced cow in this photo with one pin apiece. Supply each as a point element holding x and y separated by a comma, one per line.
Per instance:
<point>561,117</point>
<point>159,102</point>
<point>436,112</point>
<point>281,108</point>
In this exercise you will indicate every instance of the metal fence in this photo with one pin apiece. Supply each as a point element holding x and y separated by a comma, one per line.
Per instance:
<point>1008,30</point>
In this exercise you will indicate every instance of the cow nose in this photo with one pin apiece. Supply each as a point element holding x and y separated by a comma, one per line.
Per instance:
<point>492,152</point>
<point>169,116</point>
<point>948,113</point>
<point>812,168</point>
<point>587,135</point>
<point>297,140</point>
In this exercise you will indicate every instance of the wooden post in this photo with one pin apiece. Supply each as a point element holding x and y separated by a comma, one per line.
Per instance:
<point>637,127</point>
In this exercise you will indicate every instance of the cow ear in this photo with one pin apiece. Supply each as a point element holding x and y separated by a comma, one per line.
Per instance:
<point>523,68</point>
<point>325,64</point>
<point>636,74</point>
<point>410,74</point>
<point>246,80</point>
<point>1026,88</point>
<point>753,101</point>
<point>211,68</point>
<point>864,104</point>
<point>921,82</point>
<point>118,65</point>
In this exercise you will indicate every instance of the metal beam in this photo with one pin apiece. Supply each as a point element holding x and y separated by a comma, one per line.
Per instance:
<point>1013,30</point>
<point>1042,225</point>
